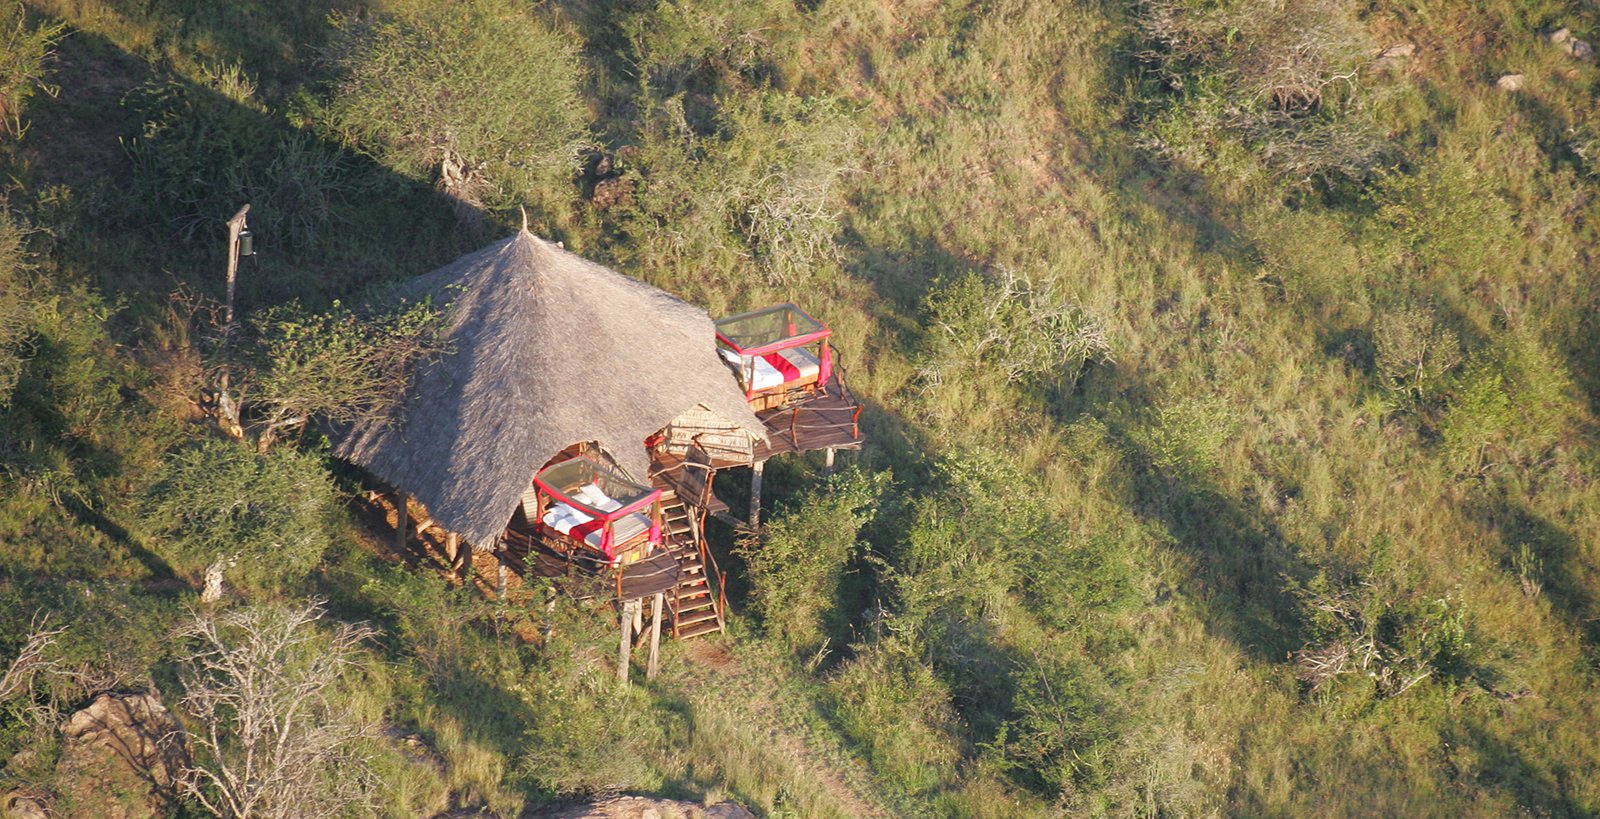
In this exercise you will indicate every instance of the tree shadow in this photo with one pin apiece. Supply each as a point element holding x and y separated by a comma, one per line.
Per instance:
<point>1240,560</point>
<point>1502,766</point>
<point>1547,559</point>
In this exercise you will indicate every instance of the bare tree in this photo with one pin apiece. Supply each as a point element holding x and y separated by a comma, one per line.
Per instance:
<point>32,660</point>
<point>269,739</point>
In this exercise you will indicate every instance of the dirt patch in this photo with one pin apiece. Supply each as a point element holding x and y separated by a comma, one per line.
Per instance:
<point>640,807</point>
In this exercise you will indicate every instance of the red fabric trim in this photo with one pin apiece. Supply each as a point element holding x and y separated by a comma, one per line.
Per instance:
<point>583,530</point>
<point>789,371</point>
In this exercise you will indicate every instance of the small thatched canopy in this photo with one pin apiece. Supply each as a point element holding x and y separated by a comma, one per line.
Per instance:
<point>547,350</point>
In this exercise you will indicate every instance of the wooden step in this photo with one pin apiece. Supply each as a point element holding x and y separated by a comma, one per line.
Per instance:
<point>694,617</point>
<point>700,629</point>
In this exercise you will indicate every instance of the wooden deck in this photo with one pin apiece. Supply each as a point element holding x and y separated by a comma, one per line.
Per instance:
<point>829,421</point>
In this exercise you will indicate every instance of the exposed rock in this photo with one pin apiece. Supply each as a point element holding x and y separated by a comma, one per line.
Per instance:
<point>1570,44</point>
<point>1509,82</point>
<point>642,807</point>
<point>1393,56</point>
<point>23,805</point>
<point>119,756</point>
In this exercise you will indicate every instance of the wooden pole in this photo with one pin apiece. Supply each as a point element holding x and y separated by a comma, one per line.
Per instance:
<point>827,461</point>
<point>756,470</point>
<point>402,521</point>
<point>655,636</point>
<point>500,582</point>
<point>626,646</point>
<point>452,551</point>
<point>227,412</point>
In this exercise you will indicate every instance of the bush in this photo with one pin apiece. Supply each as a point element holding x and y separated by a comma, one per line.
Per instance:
<point>1185,437</point>
<point>765,184</point>
<point>1511,400</point>
<point>1062,734</point>
<point>480,96</point>
<point>24,49</point>
<point>796,565</point>
<point>17,303</point>
<point>271,515</point>
<point>204,150</point>
<point>1281,80</point>
<point>898,712</point>
<point>337,365</point>
<point>1414,353</point>
<point>1013,324</point>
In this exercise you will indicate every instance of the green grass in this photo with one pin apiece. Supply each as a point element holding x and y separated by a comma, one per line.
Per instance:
<point>1080,590</point>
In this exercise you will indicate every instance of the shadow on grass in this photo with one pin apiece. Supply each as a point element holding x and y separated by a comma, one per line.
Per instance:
<point>1540,551</point>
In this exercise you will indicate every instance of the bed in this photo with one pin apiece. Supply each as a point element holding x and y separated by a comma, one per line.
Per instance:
<point>780,354</point>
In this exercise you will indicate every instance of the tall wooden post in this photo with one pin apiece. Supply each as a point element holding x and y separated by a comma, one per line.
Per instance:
<point>500,581</point>
<point>756,470</point>
<point>402,522</point>
<point>227,412</point>
<point>827,461</point>
<point>452,551</point>
<point>655,636</point>
<point>629,609</point>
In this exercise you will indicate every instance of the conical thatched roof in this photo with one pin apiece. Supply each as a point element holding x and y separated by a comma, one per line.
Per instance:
<point>547,350</point>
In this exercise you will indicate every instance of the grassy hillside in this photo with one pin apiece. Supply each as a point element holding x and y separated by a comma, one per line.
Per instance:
<point>1230,388</point>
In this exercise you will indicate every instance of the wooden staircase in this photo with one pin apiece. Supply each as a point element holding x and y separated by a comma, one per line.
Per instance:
<point>697,602</point>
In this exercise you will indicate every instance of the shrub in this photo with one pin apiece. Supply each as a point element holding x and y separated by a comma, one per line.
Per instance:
<point>337,365</point>
<point>202,151</point>
<point>1062,734</point>
<point>272,515</point>
<point>1019,326</point>
<point>1367,624</point>
<point>1447,216</point>
<point>1512,398</point>
<point>1279,79</point>
<point>796,565</point>
<point>272,737</point>
<point>766,183</point>
<point>1414,353</point>
<point>1185,437</point>
<point>24,50</point>
<point>17,303</point>
<point>898,712</point>
<point>480,96</point>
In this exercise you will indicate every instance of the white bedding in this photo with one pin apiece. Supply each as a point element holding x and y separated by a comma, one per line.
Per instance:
<point>563,517</point>
<point>765,375</point>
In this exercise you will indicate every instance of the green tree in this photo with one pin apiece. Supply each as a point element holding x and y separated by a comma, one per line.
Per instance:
<point>480,96</point>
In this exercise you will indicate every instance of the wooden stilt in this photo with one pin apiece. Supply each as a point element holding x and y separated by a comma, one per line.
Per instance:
<point>452,552</point>
<point>500,581</point>
<point>638,617</point>
<point>827,460</point>
<point>625,648</point>
<point>402,522</point>
<point>756,470</point>
<point>655,636</point>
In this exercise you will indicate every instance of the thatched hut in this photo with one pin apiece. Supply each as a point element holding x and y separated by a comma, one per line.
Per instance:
<point>547,350</point>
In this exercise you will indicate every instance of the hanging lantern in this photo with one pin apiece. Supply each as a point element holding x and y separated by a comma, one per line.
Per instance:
<point>247,243</point>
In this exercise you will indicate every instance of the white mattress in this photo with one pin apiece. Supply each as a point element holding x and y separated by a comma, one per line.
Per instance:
<point>765,376</point>
<point>563,517</point>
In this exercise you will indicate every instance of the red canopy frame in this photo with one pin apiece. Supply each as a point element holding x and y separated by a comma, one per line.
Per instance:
<point>602,519</point>
<point>797,332</point>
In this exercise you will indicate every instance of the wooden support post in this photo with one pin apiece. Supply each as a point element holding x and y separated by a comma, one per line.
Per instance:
<point>827,461</point>
<point>402,521</point>
<point>755,493</point>
<point>500,582</point>
<point>638,617</point>
<point>626,647</point>
<point>655,636</point>
<point>452,551</point>
<point>227,411</point>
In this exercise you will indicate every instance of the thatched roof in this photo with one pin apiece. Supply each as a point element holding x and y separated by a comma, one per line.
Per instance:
<point>547,350</point>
